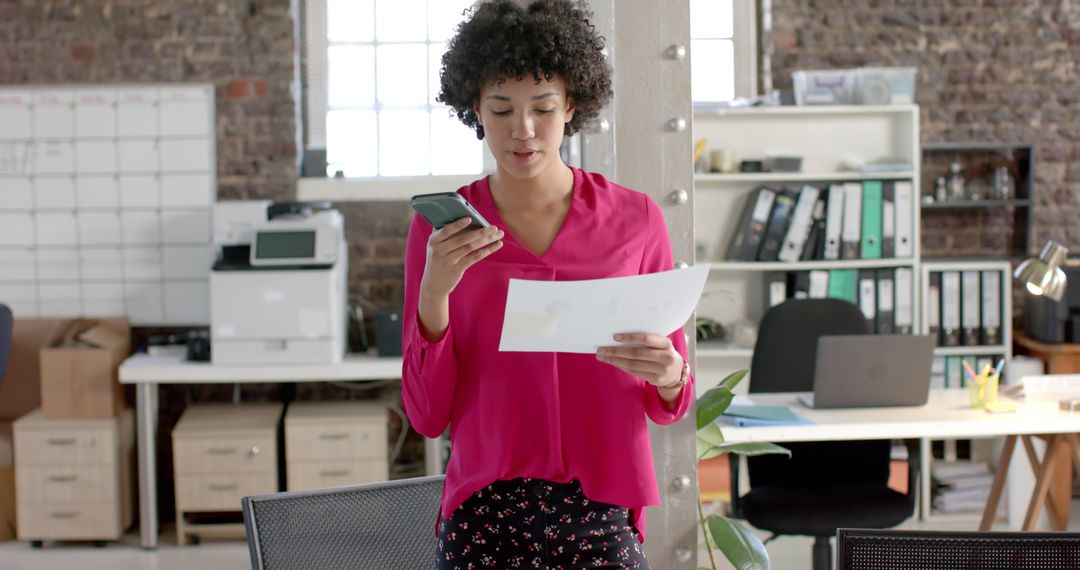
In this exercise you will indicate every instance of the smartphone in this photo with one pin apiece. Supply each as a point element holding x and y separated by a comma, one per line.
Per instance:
<point>443,208</point>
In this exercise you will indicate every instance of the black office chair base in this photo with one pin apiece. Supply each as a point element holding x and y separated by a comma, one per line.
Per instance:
<point>822,553</point>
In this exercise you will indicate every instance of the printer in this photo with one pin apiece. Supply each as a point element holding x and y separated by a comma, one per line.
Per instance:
<point>278,286</point>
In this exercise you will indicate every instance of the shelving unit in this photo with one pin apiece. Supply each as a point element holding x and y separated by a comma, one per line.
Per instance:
<point>831,141</point>
<point>978,161</point>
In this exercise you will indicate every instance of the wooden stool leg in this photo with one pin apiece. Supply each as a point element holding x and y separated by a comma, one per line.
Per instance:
<point>999,483</point>
<point>1042,482</point>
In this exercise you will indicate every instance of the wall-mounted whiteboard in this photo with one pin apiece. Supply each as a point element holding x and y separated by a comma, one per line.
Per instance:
<point>105,201</point>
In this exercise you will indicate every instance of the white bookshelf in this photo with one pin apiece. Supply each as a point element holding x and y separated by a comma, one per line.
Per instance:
<point>831,141</point>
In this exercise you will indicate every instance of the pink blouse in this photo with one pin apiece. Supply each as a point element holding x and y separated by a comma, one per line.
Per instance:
<point>554,416</point>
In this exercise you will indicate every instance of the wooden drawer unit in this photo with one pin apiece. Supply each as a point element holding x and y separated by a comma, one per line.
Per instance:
<point>222,452</point>
<point>328,444</point>
<point>74,478</point>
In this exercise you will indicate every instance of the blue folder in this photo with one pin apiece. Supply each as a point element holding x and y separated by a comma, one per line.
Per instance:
<point>759,415</point>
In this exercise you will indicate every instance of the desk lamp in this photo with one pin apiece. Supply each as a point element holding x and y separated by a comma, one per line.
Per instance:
<point>1043,276</point>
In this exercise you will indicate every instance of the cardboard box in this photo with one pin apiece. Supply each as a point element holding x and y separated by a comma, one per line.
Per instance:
<point>79,368</point>
<point>7,503</point>
<point>20,390</point>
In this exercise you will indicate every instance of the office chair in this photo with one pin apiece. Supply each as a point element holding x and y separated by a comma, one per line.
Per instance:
<point>7,327</point>
<point>389,526</point>
<point>823,485</point>
<point>858,549</point>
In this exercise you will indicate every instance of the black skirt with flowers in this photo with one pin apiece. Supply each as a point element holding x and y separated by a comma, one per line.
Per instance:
<point>533,523</point>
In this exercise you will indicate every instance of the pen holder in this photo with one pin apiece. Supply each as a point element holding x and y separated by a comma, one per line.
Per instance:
<point>982,393</point>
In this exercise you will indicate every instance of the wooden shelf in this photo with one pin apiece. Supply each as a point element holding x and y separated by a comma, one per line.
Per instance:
<point>805,110</point>
<point>808,265</point>
<point>964,204</point>
<point>744,177</point>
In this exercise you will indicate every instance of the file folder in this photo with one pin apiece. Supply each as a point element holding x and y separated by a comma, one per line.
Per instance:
<point>800,288</point>
<point>815,241</point>
<point>870,247</point>
<point>842,285</point>
<point>775,288</point>
<point>970,306</point>
<point>819,284</point>
<point>888,220</point>
<point>868,298</point>
<point>834,220</point>
<point>885,302</point>
<point>851,234</point>
<point>799,229</point>
<point>950,308</point>
<point>776,229</point>
<point>933,307</point>
<point>905,219</point>
<point>751,229</point>
<point>991,307</point>
<point>905,300</point>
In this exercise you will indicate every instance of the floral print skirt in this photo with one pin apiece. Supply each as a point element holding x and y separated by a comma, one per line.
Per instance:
<point>533,523</point>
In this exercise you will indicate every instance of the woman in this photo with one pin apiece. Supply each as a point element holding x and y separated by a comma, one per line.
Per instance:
<point>551,463</point>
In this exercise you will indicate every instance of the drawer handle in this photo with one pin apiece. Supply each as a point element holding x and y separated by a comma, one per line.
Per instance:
<point>62,478</point>
<point>230,487</point>
<point>221,450</point>
<point>61,441</point>
<point>335,472</point>
<point>333,436</point>
<point>64,515</point>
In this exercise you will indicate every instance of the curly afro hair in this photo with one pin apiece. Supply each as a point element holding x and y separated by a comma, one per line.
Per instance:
<point>502,39</point>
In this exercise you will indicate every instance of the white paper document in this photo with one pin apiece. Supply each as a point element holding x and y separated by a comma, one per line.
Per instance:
<point>582,316</point>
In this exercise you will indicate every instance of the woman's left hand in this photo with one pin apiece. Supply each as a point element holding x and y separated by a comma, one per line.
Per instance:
<point>653,358</point>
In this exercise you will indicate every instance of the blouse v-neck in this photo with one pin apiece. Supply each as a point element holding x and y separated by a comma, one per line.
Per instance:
<point>498,220</point>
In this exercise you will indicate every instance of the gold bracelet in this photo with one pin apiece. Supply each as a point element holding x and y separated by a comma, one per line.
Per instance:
<point>682,378</point>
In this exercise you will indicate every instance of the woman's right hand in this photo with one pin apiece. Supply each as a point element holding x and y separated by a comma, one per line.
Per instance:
<point>453,249</point>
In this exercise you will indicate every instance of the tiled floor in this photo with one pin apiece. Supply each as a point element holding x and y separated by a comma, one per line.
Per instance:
<point>788,553</point>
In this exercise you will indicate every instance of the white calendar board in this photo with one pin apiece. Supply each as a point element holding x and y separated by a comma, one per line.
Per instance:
<point>105,201</point>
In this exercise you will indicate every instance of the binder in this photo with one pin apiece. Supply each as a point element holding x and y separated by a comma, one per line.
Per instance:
<point>933,307</point>
<point>842,285</point>
<point>800,286</point>
<point>751,229</point>
<point>950,308</point>
<point>834,219</point>
<point>885,302</point>
<point>868,298</point>
<point>776,229</point>
<point>970,305</point>
<point>851,234</point>
<point>937,373</point>
<point>870,248</point>
<point>905,300</point>
<point>799,228</point>
<point>775,288</point>
<point>954,372</point>
<point>905,219</point>
<point>815,240</point>
<point>819,284</point>
<point>888,220</point>
<point>991,307</point>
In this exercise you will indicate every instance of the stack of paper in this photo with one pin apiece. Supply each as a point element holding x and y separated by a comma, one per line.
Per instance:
<point>759,415</point>
<point>961,486</point>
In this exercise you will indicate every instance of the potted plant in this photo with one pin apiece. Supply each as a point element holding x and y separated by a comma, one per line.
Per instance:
<point>740,546</point>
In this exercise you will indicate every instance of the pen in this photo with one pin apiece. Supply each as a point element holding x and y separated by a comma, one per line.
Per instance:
<point>997,370</point>
<point>969,369</point>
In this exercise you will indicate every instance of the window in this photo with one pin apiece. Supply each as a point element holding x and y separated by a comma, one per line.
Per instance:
<point>373,75</point>
<point>723,48</point>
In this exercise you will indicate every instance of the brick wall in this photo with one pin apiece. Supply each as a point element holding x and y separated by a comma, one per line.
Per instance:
<point>989,70</point>
<point>246,49</point>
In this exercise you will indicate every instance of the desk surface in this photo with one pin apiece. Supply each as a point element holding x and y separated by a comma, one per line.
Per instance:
<point>946,415</point>
<point>170,369</point>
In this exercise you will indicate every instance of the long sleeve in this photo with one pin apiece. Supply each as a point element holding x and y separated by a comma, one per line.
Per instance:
<point>657,257</point>
<point>429,371</point>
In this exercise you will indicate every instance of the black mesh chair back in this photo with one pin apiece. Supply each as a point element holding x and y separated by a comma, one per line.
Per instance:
<point>7,327</point>
<point>389,526</point>
<point>942,550</point>
<point>823,485</point>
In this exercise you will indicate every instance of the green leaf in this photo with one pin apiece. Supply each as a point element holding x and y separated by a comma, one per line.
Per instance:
<point>733,380</point>
<point>711,404</point>
<point>708,438</point>
<point>740,546</point>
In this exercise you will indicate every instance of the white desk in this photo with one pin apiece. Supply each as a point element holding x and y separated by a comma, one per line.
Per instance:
<point>945,416</point>
<point>148,372</point>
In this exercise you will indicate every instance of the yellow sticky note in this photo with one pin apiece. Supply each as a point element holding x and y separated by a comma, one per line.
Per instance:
<point>1000,407</point>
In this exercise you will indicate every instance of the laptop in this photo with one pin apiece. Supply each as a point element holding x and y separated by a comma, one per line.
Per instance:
<point>872,370</point>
